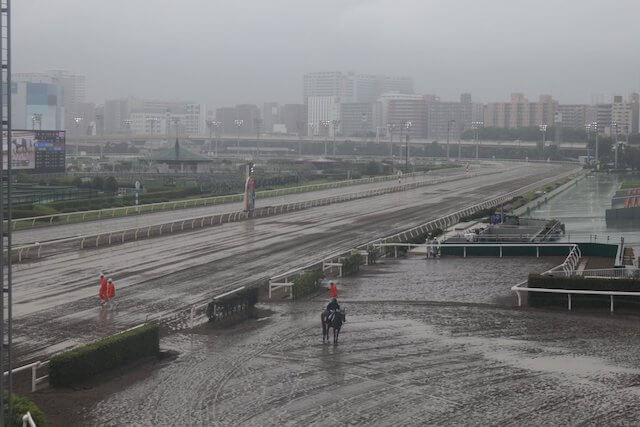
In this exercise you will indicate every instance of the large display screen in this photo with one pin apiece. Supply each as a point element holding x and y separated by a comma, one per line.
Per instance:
<point>36,150</point>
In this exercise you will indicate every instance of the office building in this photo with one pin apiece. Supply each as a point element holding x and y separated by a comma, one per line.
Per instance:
<point>37,103</point>
<point>270,116</point>
<point>322,110</point>
<point>356,118</point>
<point>294,118</point>
<point>351,87</point>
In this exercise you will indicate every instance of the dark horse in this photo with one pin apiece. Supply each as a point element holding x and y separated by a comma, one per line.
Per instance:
<point>336,323</point>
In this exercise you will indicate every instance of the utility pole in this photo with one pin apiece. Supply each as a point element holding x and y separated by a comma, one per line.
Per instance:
<point>476,128</point>
<point>408,125</point>
<point>449,123</point>
<point>238,123</point>
<point>6,267</point>
<point>336,125</point>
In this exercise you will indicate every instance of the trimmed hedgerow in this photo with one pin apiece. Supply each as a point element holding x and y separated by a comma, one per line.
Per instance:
<point>83,362</point>
<point>236,306</point>
<point>351,264</point>
<point>307,283</point>
<point>22,405</point>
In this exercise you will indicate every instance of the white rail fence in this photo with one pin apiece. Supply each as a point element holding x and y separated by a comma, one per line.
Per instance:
<point>38,250</point>
<point>35,379</point>
<point>283,280</point>
<point>65,218</point>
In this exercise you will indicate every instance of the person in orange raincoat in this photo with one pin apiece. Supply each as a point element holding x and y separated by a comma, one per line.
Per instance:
<point>103,294</point>
<point>111,289</point>
<point>333,290</point>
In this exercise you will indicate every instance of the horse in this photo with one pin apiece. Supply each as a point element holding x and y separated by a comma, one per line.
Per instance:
<point>335,323</point>
<point>18,146</point>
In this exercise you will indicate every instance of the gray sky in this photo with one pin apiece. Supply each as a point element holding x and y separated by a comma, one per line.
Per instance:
<point>251,51</point>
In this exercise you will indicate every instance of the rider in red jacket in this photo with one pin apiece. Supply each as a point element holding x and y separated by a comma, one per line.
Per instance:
<point>111,289</point>
<point>103,294</point>
<point>333,290</point>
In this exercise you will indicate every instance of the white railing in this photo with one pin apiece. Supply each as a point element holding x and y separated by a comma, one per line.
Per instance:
<point>474,245</point>
<point>611,273</point>
<point>27,420</point>
<point>282,280</point>
<point>97,214</point>
<point>35,380</point>
<point>35,250</point>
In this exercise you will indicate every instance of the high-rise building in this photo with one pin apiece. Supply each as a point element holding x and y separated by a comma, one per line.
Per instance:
<point>396,109</point>
<point>449,119</point>
<point>226,116</point>
<point>37,103</point>
<point>519,112</point>
<point>576,116</point>
<point>353,87</point>
<point>356,118</point>
<point>74,95</point>
<point>195,119</point>
<point>331,84</point>
<point>251,120</point>
<point>270,116</point>
<point>322,110</point>
<point>294,118</point>
<point>622,117</point>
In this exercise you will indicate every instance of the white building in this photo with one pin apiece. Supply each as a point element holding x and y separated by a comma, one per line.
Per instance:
<point>322,109</point>
<point>195,120</point>
<point>36,102</point>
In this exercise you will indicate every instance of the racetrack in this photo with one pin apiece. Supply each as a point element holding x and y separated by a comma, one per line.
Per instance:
<point>400,362</point>
<point>55,299</point>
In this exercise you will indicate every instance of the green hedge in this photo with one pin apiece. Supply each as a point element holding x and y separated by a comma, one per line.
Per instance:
<point>351,264</point>
<point>537,299</point>
<point>307,283</point>
<point>234,306</point>
<point>84,362</point>
<point>22,405</point>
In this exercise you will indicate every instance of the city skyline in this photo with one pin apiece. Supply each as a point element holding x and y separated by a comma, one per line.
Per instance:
<point>504,55</point>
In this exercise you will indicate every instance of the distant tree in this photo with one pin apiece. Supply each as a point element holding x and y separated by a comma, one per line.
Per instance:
<point>76,181</point>
<point>373,168</point>
<point>97,182</point>
<point>110,185</point>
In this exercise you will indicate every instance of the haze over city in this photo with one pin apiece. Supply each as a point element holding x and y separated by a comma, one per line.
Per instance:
<point>347,212</point>
<point>222,52</point>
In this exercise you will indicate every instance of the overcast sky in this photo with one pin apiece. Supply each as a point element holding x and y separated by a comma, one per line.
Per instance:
<point>252,51</point>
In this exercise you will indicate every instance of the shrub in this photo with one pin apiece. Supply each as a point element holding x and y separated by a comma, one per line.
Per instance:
<point>307,283</point>
<point>84,362</point>
<point>110,185</point>
<point>22,405</point>
<point>231,305</point>
<point>351,264</point>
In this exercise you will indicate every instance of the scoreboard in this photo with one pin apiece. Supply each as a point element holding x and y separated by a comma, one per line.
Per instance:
<point>35,150</point>
<point>50,150</point>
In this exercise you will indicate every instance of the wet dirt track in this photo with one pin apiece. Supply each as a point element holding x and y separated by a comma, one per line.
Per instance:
<point>398,363</point>
<point>56,304</point>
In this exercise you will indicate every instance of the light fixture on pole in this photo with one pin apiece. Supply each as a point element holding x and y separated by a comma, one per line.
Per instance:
<point>476,130</point>
<point>543,129</point>
<point>336,126</point>
<point>325,125</point>
<point>238,123</point>
<point>407,125</point>
<point>449,123</point>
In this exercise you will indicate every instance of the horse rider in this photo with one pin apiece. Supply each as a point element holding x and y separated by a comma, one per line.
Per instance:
<point>332,307</point>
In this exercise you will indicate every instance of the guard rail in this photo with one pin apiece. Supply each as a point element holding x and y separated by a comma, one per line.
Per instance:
<point>97,214</point>
<point>39,249</point>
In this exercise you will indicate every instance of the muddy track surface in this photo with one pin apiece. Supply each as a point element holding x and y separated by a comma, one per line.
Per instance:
<point>56,304</point>
<point>396,364</point>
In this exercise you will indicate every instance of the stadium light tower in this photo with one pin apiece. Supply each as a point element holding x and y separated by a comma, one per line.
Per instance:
<point>476,130</point>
